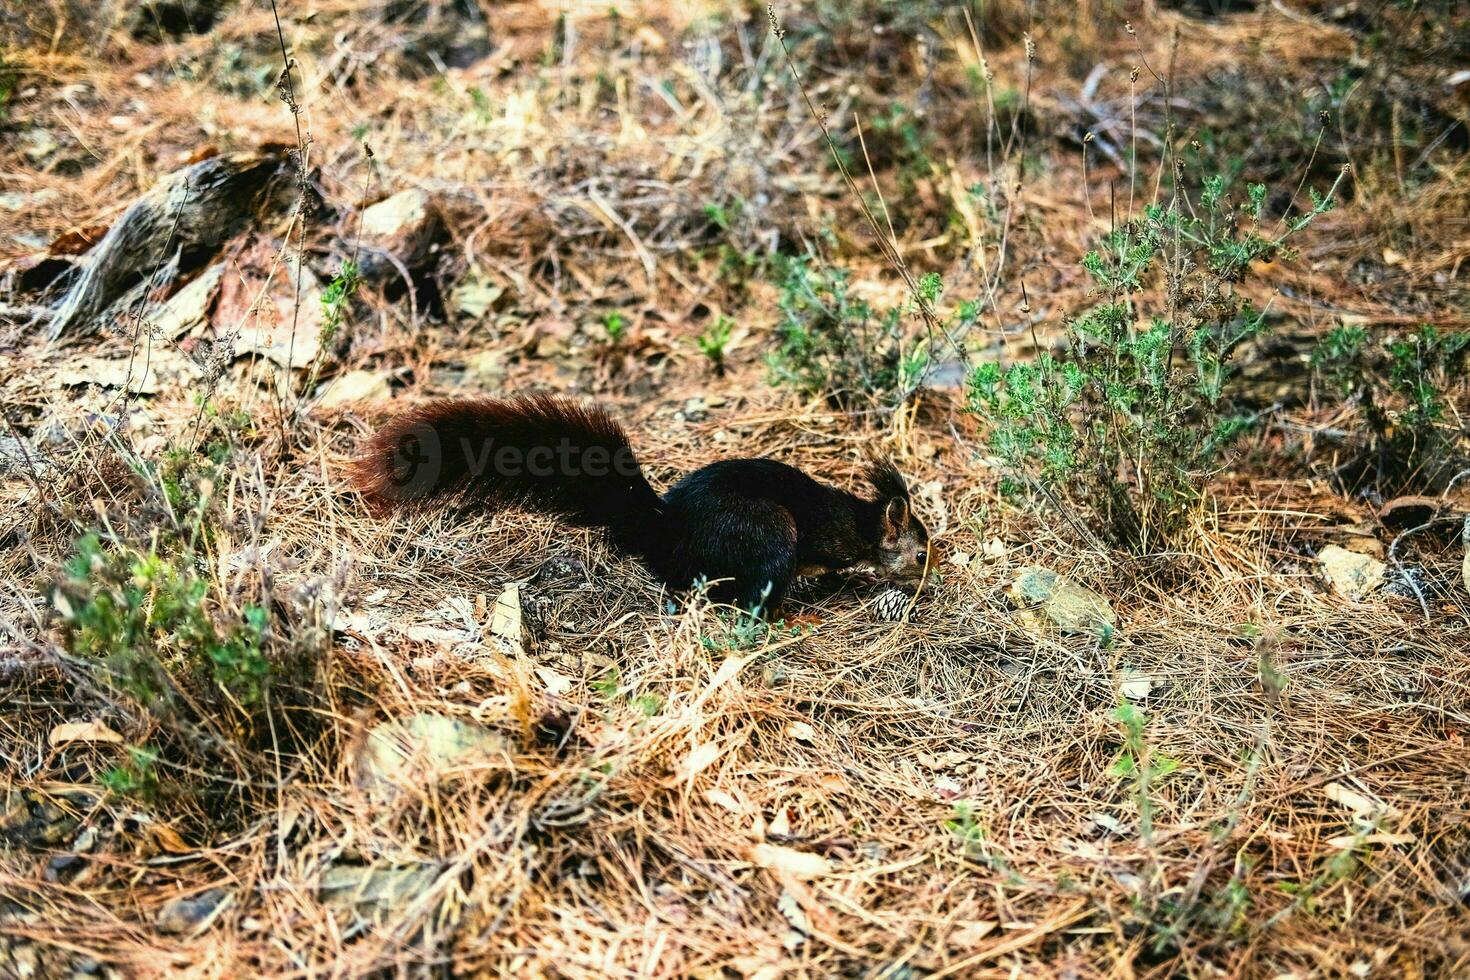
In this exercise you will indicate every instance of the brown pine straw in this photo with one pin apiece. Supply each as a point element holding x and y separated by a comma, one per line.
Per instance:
<point>671,796</point>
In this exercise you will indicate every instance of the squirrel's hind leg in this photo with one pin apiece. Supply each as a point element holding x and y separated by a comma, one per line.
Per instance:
<point>764,590</point>
<point>751,544</point>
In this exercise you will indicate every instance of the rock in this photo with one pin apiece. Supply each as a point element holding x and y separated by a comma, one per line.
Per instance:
<point>188,309</point>
<point>258,307</point>
<point>29,820</point>
<point>417,749</point>
<point>18,455</point>
<point>476,295</point>
<point>485,370</point>
<point>1351,574</point>
<point>1402,513</point>
<point>1135,684</point>
<point>192,914</point>
<point>559,567</point>
<point>16,201</point>
<point>140,375</point>
<point>354,386</point>
<point>39,144</point>
<point>374,892</point>
<point>64,867</point>
<point>403,227</point>
<point>1070,607</point>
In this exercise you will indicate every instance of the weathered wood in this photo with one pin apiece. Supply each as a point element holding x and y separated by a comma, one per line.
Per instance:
<point>192,211</point>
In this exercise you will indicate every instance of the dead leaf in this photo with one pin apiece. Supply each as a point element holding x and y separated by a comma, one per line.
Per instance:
<point>722,799</point>
<point>787,860</point>
<point>412,750</point>
<point>1349,842</point>
<point>556,684</point>
<point>971,933</point>
<point>791,908</point>
<point>1361,805</point>
<point>700,758</point>
<point>168,839</point>
<point>1135,684</point>
<point>83,731</point>
<point>802,732</point>
<point>78,241</point>
<point>505,622</point>
<point>947,788</point>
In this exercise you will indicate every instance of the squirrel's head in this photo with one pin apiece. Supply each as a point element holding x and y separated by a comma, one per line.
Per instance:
<point>903,541</point>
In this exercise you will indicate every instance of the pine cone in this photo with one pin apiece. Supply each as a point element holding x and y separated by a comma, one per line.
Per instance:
<point>892,605</point>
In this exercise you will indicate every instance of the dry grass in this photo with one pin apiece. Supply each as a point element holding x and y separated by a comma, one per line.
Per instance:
<point>672,795</point>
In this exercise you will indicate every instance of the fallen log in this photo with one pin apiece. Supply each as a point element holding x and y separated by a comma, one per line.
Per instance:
<point>192,212</point>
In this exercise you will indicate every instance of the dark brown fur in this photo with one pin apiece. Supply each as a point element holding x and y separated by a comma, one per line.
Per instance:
<point>748,526</point>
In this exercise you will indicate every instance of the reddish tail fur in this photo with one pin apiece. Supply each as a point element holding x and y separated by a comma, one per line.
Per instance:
<point>535,451</point>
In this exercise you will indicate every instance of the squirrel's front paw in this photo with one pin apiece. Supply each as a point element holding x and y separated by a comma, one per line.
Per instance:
<point>892,605</point>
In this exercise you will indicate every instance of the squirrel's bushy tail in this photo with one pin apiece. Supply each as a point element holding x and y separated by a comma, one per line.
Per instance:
<point>538,452</point>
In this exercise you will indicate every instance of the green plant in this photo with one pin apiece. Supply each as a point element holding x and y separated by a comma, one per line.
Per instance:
<point>649,704</point>
<point>832,342</point>
<point>968,831</point>
<point>151,624</point>
<point>896,138</point>
<point>1338,867</point>
<point>714,341</point>
<point>335,300</point>
<point>1139,765</point>
<point>1133,415</point>
<point>1403,384</point>
<point>615,326</point>
<point>135,776</point>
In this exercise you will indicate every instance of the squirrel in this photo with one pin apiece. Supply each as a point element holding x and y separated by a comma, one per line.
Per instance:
<point>747,527</point>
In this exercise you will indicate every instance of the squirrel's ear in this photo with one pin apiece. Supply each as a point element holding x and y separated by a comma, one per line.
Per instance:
<point>895,517</point>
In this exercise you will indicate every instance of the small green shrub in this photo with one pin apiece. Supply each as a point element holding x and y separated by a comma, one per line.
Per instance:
<point>615,326</point>
<point>714,341</point>
<point>336,299</point>
<point>1403,385</point>
<point>1131,418</point>
<point>1139,766</point>
<point>135,776</point>
<point>152,626</point>
<point>832,342</point>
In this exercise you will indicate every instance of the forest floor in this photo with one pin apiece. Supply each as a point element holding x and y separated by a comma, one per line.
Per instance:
<point>249,728</point>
